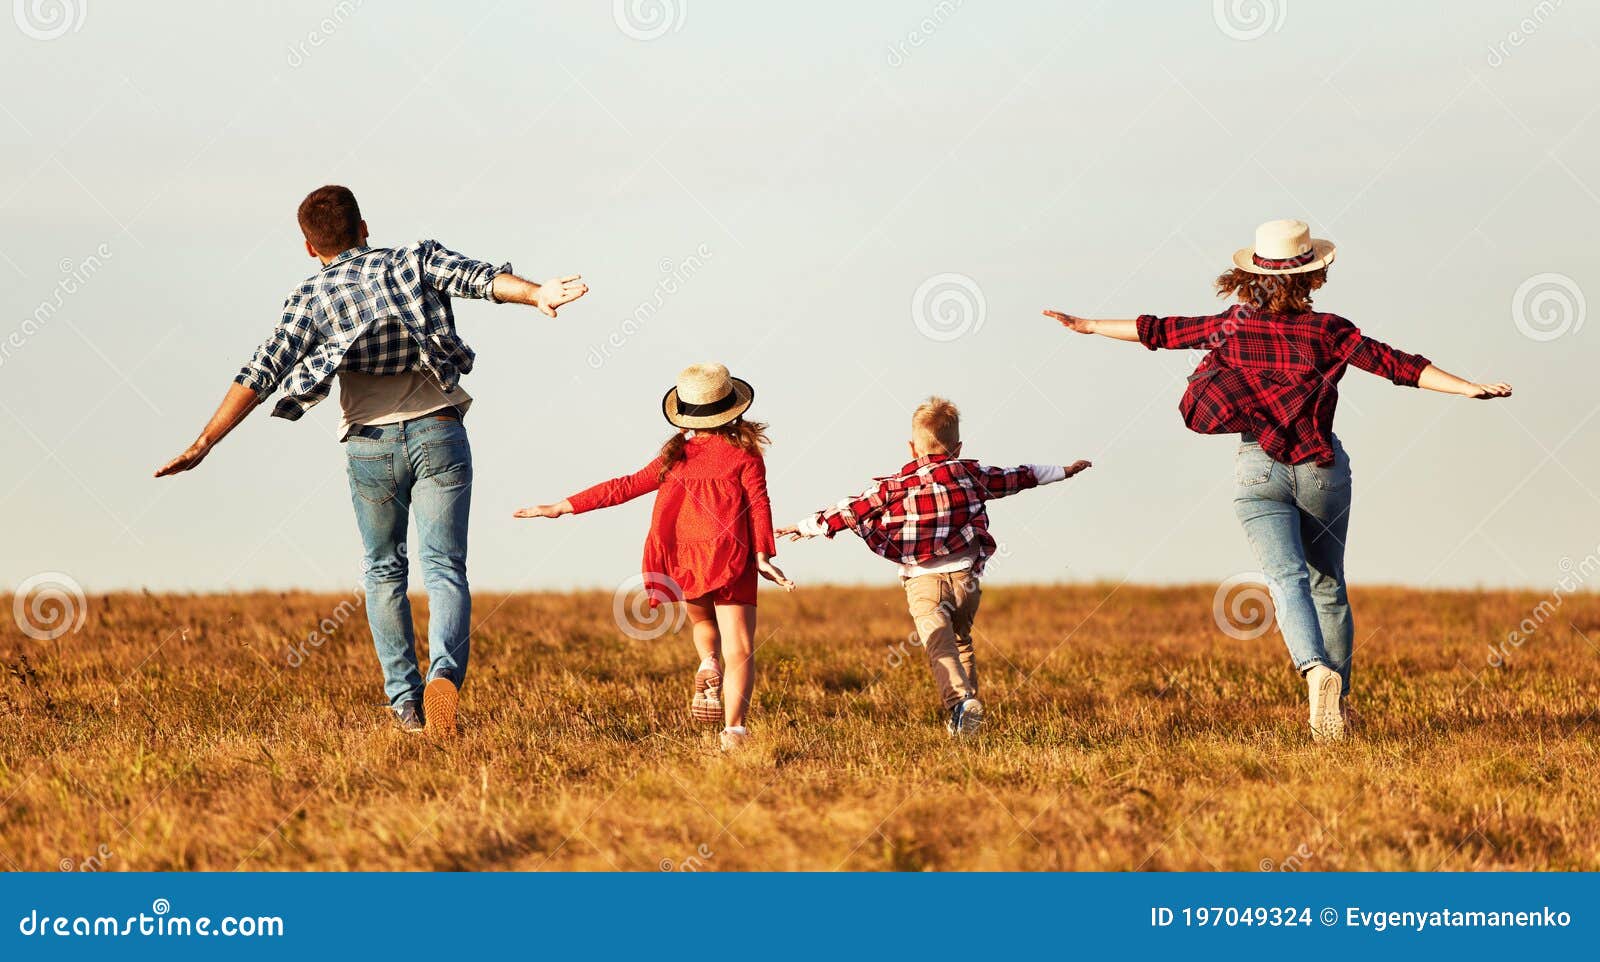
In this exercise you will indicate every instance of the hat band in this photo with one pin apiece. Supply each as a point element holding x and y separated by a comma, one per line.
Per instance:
<point>726,402</point>
<point>1278,263</point>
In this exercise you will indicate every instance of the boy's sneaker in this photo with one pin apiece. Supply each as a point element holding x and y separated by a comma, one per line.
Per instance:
<point>409,717</point>
<point>707,703</point>
<point>965,719</point>
<point>734,739</point>
<point>439,701</point>
<point>1324,686</point>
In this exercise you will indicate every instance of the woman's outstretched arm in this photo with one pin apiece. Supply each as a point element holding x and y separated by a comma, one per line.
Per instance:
<point>1436,379</point>
<point>1121,330</point>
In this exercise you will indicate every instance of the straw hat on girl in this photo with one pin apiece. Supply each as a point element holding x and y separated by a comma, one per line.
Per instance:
<point>1284,247</point>
<point>706,397</point>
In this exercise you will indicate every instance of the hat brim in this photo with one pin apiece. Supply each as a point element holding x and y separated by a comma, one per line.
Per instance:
<point>1324,250</point>
<point>742,390</point>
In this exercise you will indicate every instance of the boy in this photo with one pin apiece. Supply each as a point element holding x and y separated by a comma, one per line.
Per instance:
<point>930,519</point>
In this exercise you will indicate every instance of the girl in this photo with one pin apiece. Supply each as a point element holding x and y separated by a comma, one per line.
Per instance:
<point>1271,376</point>
<point>710,534</point>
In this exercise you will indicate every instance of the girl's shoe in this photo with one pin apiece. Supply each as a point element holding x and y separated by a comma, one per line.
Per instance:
<point>734,739</point>
<point>1324,686</point>
<point>707,703</point>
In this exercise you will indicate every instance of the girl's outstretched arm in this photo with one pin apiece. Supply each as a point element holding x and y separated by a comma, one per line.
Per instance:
<point>545,510</point>
<point>603,495</point>
<point>1121,330</point>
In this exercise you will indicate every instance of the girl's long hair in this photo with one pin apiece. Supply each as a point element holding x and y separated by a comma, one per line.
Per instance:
<point>1273,293</point>
<point>748,436</point>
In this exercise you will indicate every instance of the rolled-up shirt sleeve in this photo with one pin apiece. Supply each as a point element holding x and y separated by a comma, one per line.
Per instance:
<point>1180,333</point>
<point>1374,356</point>
<point>456,274</point>
<point>283,348</point>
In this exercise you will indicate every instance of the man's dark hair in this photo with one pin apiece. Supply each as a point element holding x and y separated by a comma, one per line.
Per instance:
<point>331,219</point>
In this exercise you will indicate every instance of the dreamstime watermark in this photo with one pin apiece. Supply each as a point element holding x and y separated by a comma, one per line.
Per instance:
<point>49,19</point>
<point>159,921</point>
<point>1249,19</point>
<point>75,276</point>
<point>900,50</point>
<point>649,19</point>
<point>948,306</point>
<point>696,861</point>
<point>93,863</point>
<point>673,276</point>
<point>1573,577</point>
<point>346,609</point>
<point>300,51</point>
<point>1500,52</point>
<point>1242,606</point>
<point>49,605</point>
<point>947,608</point>
<point>1547,306</point>
<point>1293,862</point>
<point>645,607</point>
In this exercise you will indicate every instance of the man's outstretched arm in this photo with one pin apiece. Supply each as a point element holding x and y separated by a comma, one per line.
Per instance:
<point>235,406</point>
<point>511,289</point>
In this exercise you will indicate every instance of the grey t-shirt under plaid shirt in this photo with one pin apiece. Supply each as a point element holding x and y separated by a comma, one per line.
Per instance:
<point>374,310</point>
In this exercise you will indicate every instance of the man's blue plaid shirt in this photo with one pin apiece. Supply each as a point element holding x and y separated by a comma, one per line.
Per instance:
<point>375,310</point>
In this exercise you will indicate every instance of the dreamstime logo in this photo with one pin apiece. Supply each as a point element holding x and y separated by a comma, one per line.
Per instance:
<point>49,19</point>
<point>649,19</point>
<point>695,862</point>
<point>674,275</point>
<point>1242,606</point>
<point>1548,306</point>
<point>93,863</point>
<point>900,50</point>
<point>75,276</point>
<point>1293,862</point>
<point>300,51</point>
<point>1500,52</point>
<point>1249,19</point>
<point>948,306</point>
<point>645,606</point>
<point>49,605</point>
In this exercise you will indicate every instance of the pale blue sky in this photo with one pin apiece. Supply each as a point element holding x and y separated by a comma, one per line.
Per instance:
<point>821,164</point>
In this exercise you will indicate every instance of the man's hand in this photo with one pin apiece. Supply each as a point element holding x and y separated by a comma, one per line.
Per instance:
<point>563,290</point>
<point>190,458</point>
<point>773,573</point>
<point>1078,467</point>
<point>545,510</point>
<point>1082,325</point>
<point>236,405</point>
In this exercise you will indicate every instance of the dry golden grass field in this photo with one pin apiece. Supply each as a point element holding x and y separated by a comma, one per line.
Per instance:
<point>1127,732</point>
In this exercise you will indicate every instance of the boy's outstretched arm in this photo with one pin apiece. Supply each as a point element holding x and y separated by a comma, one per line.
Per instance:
<point>1121,330</point>
<point>830,521</point>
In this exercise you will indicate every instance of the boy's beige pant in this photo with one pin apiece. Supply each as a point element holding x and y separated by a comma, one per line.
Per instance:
<point>943,607</point>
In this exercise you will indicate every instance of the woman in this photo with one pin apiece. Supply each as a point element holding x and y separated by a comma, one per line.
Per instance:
<point>1271,376</point>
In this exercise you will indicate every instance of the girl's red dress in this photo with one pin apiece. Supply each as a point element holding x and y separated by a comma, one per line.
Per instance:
<point>711,517</point>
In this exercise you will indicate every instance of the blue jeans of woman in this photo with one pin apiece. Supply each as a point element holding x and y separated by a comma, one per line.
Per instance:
<point>1297,517</point>
<point>421,467</point>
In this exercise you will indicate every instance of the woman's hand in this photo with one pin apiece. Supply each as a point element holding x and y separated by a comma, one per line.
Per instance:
<point>1080,324</point>
<point>545,510</point>
<point>773,573</point>
<point>1437,379</point>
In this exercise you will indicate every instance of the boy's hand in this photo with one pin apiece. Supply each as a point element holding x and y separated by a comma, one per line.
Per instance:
<point>789,533</point>
<point>773,573</point>
<point>545,510</point>
<point>1078,467</point>
<point>1080,324</point>
<point>562,290</point>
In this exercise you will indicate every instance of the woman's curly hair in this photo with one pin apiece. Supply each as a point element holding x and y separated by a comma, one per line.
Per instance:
<point>747,436</point>
<point>1274,293</point>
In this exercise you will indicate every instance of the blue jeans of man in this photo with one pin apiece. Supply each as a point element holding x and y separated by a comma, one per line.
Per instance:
<point>421,467</point>
<point>1297,518</point>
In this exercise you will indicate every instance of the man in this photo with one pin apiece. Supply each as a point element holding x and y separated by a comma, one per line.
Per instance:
<point>380,319</point>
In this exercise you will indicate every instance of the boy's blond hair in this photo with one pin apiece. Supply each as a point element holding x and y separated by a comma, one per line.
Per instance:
<point>936,427</point>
